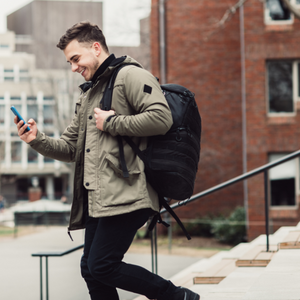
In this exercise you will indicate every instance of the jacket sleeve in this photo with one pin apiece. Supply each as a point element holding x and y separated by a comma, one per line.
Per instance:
<point>153,115</point>
<point>63,149</point>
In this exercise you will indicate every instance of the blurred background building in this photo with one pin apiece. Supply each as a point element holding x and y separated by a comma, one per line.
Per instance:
<point>244,70</point>
<point>43,96</point>
<point>40,24</point>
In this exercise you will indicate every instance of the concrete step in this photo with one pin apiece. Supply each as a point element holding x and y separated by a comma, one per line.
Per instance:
<point>244,283</point>
<point>217,273</point>
<point>291,241</point>
<point>186,276</point>
<point>257,257</point>
<point>234,286</point>
<point>241,282</point>
<point>280,280</point>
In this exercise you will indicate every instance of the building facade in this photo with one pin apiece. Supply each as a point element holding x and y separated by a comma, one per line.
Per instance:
<point>252,57</point>
<point>40,24</point>
<point>44,96</point>
<point>35,78</point>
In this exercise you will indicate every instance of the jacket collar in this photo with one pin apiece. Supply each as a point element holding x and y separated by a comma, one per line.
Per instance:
<point>110,61</point>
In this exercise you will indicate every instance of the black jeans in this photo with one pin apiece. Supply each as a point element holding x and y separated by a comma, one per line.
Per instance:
<point>107,239</point>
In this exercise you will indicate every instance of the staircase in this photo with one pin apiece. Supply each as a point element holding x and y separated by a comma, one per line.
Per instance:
<point>247,271</point>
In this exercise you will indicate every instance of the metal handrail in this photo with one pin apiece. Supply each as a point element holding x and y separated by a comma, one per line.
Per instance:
<point>234,180</point>
<point>46,255</point>
<point>245,176</point>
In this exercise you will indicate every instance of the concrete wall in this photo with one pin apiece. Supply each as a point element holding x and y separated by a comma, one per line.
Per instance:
<point>142,53</point>
<point>46,22</point>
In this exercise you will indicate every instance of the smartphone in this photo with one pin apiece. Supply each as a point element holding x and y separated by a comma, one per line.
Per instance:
<point>14,110</point>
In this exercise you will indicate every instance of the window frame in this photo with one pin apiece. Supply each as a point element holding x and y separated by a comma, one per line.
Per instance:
<point>269,21</point>
<point>295,92</point>
<point>297,185</point>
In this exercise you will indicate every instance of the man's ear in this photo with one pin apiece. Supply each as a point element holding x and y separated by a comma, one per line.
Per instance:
<point>97,48</point>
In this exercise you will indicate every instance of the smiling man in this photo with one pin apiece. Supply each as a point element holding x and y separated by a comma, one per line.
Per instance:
<point>110,207</point>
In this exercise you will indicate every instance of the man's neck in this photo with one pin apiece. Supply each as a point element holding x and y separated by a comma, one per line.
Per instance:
<point>103,67</point>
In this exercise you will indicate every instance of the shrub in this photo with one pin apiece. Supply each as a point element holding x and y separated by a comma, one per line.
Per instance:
<point>197,227</point>
<point>231,230</point>
<point>201,227</point>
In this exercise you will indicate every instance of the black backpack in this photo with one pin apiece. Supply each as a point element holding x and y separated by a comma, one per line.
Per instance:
<point>171,160</point>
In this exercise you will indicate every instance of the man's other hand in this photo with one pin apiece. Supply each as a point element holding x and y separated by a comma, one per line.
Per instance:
<point>101,115</point>
<point>26,136</point>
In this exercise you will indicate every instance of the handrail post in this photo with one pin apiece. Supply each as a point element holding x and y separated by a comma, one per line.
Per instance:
<point>46,255</point>
<point>154,250</point>
<point>267,206</point>
<point>155,244</point>
<point>41,278</point>
<point>47,279</point>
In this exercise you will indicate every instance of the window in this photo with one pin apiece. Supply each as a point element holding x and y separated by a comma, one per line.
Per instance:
<point>276,10</point>
<point>24,75</point>
<point>283,80</point>
<point>48,98</point>
<point>2,114</point>
<point>31,99</point>
<point>48,159</point>
<point>15,99</point>
<point>2,151</point>
<point>32,111</point>
<point>280,86</point>
<point>32,155</point>
<point>8,74</point>
<point>48,115</point>
<point>16,152</point>
<point>283,181</point>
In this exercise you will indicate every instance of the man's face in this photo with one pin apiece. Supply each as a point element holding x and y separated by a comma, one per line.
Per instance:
<point>83,59</point>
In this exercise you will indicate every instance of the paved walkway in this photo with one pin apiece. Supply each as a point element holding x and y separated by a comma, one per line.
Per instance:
<point>19,271</point>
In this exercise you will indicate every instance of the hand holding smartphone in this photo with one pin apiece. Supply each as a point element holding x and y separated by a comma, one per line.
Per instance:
<point>14,110</point>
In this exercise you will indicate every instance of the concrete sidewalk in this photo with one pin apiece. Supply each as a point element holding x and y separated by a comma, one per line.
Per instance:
<point>20,275</point>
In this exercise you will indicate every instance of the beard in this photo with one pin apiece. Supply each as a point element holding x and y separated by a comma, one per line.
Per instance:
<point>93,68</point>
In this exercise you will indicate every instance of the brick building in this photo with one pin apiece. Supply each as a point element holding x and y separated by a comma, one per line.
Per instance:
<point>209,60</point>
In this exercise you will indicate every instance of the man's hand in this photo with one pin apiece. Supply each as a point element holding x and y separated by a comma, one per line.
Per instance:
<point>101,115</point>
<point>26,136</point>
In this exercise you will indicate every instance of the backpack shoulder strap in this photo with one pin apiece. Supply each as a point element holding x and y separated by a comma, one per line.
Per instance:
<point>105,103</point>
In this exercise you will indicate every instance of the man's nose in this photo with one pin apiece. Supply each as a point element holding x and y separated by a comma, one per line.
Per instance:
<point>74,67</point>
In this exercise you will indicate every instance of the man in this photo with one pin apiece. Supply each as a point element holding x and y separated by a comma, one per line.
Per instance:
<point>111,208</point>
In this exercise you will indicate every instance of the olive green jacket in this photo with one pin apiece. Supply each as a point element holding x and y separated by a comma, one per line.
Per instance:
<point>141,111</point>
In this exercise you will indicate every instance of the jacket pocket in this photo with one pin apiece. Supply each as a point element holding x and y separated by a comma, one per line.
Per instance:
<point>117,190</point>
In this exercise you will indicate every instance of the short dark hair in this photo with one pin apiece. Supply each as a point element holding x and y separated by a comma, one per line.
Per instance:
<point>83,32</point>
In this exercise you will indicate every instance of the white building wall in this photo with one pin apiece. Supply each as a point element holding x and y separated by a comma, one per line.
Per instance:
<point>26,88</point>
